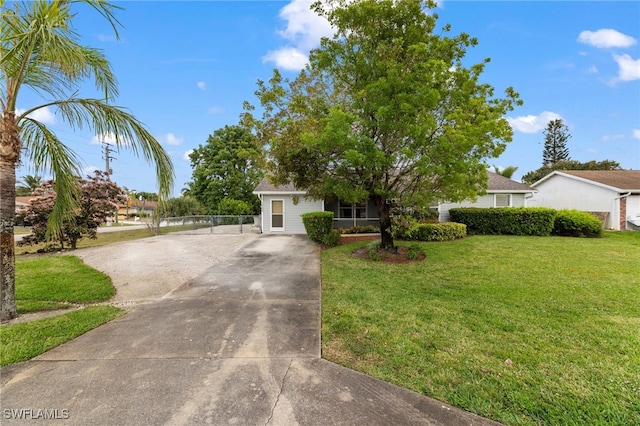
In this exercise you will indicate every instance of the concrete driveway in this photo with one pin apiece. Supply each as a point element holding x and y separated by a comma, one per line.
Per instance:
<point>239,344</point>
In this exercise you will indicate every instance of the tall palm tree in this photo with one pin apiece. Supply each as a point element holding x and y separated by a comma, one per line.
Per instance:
<point>40,50</point>
<point>506,172</point>
<point>31,182</point>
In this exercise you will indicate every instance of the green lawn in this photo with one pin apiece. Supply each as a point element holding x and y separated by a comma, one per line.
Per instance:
<point>565,312</point>
<point>54,282</point>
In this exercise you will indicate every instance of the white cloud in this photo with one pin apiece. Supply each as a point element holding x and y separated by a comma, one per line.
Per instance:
<point>628,68</point>
<point>636,133</point>
<point>613,137</point>
<point>88,170</point>
<point>171,139</point>
<point>202,85</point>
<point>216,110</point>
<point>43,115</point>
<point>303,30</point>
<point>288,58</point>
<point>606,38</point>
<point>592,70</point>
<point>109,138</point>
<point>533,123</point>
<point>186,155</point>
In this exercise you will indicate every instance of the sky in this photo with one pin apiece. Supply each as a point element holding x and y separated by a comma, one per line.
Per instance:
<point>185,68</point>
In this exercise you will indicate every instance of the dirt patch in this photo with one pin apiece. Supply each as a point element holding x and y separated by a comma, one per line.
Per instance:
<point>400,255</point>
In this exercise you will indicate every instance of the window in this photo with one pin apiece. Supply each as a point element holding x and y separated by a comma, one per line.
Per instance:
<point>502,200</point>
<point>352,211</point>
<point>277,215</point>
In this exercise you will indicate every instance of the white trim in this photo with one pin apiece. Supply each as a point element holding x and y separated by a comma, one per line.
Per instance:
<point>581,179</point>
<point>495,200</point>
<point>271,227</point>
<point>280,193</point>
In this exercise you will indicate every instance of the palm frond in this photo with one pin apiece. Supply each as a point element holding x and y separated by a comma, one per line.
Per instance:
<point>47,152</point>
<point>129,133</point>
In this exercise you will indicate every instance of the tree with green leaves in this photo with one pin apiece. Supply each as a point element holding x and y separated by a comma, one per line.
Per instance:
<point>99,199</point>
<point>506,172</point>
<point>40,50</point>
<point>228,166</point>
<point>28,184</point>
<point>386,111</point>
<point>181,206</point>
<point>556,136</point>
<point>534,176</point>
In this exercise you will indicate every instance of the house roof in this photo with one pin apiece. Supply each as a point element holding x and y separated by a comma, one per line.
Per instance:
<point>266,187</point>
<point>498,183</point>
<point>619,180</point>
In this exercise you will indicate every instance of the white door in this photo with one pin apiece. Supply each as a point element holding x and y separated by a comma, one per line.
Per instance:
<point>277,215</point>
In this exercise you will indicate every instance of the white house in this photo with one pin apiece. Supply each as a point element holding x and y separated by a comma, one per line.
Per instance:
<point>282,206</point>
<point>501,192</point>
<point>613,195</point>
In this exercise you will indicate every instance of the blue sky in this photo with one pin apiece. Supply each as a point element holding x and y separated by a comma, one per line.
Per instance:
<point>185,67</point>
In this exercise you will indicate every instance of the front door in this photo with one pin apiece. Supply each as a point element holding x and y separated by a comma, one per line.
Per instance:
<point>277,215</point>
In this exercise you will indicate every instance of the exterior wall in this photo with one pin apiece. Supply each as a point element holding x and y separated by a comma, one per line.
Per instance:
<point>559,192</point>
<point>633,211</point>
<point>485,201</point>
<point>292,220</point>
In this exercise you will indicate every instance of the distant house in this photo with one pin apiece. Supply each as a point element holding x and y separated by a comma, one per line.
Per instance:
<point>22,203</point>
<point>613,195</point>
<point>137,208</point>
<point>281,206</point>
<point>501,192</point>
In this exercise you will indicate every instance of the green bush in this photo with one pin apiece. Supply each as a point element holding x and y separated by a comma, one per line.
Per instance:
<point>574,223</point>
<point>505,221</point>
<point>369,229</point>
<point>317,225</point>
<point>401,225</point>
<point>447,231</point>
<point>332,239</point>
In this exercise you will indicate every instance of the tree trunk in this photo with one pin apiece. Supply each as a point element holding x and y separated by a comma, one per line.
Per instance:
<point>384,214</point>
<point>9,156</point>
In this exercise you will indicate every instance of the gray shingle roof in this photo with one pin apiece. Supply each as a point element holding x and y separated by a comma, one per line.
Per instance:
<point>501,183</point>
<point>625,180</point>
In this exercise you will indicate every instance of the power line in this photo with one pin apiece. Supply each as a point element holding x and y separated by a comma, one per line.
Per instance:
<point>107,158</point>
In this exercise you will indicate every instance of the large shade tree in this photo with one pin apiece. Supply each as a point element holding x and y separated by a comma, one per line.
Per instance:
<point>227,167</point>
<point>386,110</point>
<point>40,50</point>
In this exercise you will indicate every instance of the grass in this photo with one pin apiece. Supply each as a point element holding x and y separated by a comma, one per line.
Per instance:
<point>57,282</point>
<point>523,330</point>
<point>23,341</point>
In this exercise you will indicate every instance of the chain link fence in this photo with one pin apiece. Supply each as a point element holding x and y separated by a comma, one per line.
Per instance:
<point>216,224</point>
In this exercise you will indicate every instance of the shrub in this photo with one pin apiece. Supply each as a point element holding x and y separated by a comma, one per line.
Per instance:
<point>413,251</point>
<point>507,220</point>
<point>401,225</point>
<point>574,223</point>
<point>332,239</point>
<point>369,229</point>
<point>446,231</point>
<point>317,225</point>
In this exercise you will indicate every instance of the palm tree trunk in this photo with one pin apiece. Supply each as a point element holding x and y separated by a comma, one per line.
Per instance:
<point>9,155</point>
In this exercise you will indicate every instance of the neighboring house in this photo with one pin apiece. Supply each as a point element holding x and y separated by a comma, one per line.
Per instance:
<point>501,192</point>
<point>137,207</point>
<point>282,206</point>
<point>22,203</point>
<point>613,195</point>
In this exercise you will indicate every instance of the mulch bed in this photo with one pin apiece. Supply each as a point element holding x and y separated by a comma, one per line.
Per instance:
<point>399,256</point>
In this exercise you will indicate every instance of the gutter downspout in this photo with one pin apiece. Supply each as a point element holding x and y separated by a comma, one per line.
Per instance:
<point>618,209</point>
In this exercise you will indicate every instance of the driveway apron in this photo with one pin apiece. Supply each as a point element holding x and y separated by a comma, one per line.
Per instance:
<point>239,344</point>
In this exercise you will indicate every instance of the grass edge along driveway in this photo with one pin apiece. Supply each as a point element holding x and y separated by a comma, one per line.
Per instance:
<point>523,330</point>
<point>54,282</point>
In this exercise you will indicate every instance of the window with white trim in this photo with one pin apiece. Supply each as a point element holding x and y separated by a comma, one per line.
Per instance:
<point>502,200</point>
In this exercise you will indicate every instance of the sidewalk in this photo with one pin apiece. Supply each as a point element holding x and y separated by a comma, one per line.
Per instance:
<point>239,344</point>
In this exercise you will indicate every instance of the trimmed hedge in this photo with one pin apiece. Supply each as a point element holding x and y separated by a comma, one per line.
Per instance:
<point>508,220</point>
<point>318,225</point>
<point>575,223</point>
<point>446,231</point>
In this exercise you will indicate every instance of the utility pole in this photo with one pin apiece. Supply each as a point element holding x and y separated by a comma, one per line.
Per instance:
<point>107,167</point>
<point>107,157</point>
